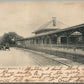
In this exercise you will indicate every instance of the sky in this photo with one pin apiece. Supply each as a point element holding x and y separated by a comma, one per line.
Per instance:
<point>24,17</point>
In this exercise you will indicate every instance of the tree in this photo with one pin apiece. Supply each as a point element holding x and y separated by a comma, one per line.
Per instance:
<point>10,38</point>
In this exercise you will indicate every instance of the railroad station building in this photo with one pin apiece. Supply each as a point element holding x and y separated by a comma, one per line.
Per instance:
<point>56,34</point>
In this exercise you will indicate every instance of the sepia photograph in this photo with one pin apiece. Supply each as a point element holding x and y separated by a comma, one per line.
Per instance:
<point>42,41</point>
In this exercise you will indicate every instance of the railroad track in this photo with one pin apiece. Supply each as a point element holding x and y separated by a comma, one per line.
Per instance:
<point>56,60</point>
<point>47,56</point>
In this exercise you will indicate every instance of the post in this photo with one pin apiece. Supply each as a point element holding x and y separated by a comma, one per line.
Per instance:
<point>59,40</point>
<point>83,40</point>
<point>67,42</point>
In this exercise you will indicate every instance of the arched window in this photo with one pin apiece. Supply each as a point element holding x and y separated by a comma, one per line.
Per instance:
<point>76,33</point>
<point>75,37</point>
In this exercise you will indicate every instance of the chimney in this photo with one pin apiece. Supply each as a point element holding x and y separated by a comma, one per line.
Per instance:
<point>54,21</point>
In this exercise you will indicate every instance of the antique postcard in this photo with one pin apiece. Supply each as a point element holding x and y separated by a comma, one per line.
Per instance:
<point>42,42</point>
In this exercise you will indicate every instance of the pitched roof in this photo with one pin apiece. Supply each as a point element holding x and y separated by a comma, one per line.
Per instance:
<point>56,31</point>
<point>51,25</point>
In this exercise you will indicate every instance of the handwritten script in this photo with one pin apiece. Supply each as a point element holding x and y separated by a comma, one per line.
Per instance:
<point>57,74</point>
